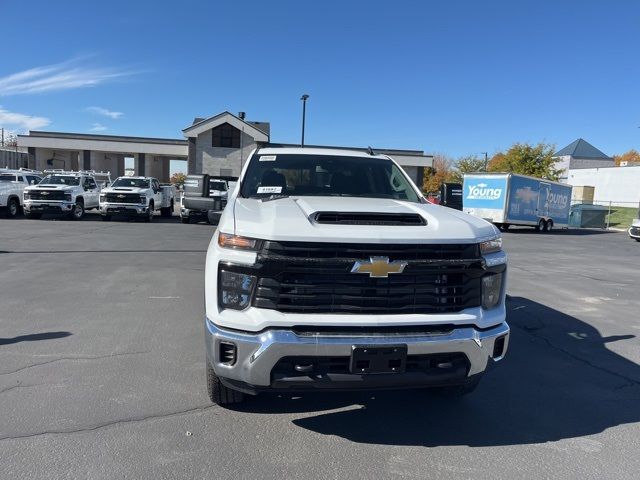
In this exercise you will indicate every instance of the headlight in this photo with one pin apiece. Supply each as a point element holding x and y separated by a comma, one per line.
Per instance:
<point>103,198</point>
<point>227,240</point>
<point>26,196</point>
<point>491,289</point>
<point>68,197</point>
<point>491,246</point>
<point>143,199</point>
<point>235,290</point>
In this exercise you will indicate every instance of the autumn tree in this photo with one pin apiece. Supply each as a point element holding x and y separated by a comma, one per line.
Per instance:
<point>525,159</point>
<point>178,179</point>
<point>632,156</point>
<point>468,164</point>
<point>438,173</point>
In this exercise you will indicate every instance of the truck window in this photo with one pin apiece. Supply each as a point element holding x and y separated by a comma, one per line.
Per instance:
<point>326,175</point>
<point>61,180</point>
<point>7,177</point>
<point>131,182</point>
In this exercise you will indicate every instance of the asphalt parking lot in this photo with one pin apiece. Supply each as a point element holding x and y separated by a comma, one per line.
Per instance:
<point>102,370</point>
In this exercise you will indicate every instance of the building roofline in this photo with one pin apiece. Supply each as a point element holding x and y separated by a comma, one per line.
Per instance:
<point>112,138</point>
<point>216,116</point>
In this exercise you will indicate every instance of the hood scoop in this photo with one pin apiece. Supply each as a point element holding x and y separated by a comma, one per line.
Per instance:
<point>367,218</point>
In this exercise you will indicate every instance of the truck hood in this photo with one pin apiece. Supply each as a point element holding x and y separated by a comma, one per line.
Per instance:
<point>51,187</point>
<point>291,219</point>
<point>125,190</point>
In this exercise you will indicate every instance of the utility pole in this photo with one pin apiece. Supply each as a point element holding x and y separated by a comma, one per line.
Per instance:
<point>2,143</point>
<point>304,114</point>
<point>486,160</point>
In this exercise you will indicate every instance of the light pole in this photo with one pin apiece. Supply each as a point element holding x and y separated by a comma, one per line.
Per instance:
<point>486,163</point>
<point>304,114</point>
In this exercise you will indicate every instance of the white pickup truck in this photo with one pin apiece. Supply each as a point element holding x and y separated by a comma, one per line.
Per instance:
<point>329,270</point>
<point>70,193</point>
<point>137,196</point>
<point>12,185</point>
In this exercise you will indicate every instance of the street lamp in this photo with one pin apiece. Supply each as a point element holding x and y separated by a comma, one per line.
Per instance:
<point>486,154</point>
<point>304,114</point>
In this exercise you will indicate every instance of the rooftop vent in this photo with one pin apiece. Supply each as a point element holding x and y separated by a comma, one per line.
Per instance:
<point>356,218</point>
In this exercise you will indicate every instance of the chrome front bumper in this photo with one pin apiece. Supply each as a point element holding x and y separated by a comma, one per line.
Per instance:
<point>48,205</point>
<point>258,353</point>
<point>123,208</point>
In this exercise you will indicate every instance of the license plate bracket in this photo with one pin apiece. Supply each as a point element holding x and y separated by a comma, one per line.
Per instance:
<point>367,359</point>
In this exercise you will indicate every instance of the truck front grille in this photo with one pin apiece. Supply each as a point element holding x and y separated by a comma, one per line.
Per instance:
<point>46,195</point>
<point>317,278</point>
<point>123,198</point>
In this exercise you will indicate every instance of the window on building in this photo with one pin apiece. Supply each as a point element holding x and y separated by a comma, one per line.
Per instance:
<point>226,136</point>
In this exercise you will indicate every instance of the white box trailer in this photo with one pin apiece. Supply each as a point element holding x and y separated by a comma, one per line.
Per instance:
<point>507,199</point>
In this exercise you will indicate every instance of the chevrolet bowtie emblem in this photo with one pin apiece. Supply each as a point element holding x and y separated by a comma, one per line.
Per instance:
<point>44,193</point>
<point>378,267</point>
<point>120,196</point>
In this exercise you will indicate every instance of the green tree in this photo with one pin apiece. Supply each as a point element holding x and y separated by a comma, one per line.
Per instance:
<point>468,164</point>
<point>533,160</point>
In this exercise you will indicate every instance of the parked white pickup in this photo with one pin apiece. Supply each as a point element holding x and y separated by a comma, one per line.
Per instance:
<point>12,184</point>
<point>71,193</point>
<point>137,196</point>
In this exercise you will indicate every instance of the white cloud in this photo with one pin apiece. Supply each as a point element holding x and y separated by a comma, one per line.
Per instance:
<point>21,122</point>
<point>104,112</point>
<point>60,76</point>
<point>98,127</point>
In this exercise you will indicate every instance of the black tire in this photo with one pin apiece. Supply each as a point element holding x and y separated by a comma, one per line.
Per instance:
<point>505,227</point>
<point>33,216</point>
<point>13,207</point>
<point>221,394</point>
<point>185,219</point>
<point>637,239</point>
<point>149,217</point>
<point>459,390</point>
<point>542,226</point>
<point>106,218</point>
<point>549,225</point>
<point>78,211</point>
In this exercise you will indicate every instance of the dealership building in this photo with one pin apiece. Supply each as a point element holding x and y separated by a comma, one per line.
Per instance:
<point>216,145</point>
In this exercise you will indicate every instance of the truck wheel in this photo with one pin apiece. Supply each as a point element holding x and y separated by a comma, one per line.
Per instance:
<point>549,225</point>
<point>218,393</point>
<point>13,207</point>
<point>149,216</point>
<point>459,390</point>
<point>78,210</point>
<point>542,226</point>
<point>505,227</point>
<point>32,216</point>
<point>184,219</point>
<point>167,211</point>
<point>106,218</point>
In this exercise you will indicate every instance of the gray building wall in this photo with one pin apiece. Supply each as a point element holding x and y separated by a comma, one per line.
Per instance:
<point>213,160</point>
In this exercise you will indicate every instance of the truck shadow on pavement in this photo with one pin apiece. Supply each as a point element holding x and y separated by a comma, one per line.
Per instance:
<point>575,232</point>
<point>558,381</point>
<point>34,337</point>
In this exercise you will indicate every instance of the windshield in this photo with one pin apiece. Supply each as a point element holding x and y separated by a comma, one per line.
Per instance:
<point>60,180</point>
<point>325,175</point>
<point>131,182</point>
<point>7,177</point>
<point>217,185</point>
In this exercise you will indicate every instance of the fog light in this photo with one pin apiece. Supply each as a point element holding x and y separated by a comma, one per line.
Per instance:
<point>235,289</point>
<point>491,289</point>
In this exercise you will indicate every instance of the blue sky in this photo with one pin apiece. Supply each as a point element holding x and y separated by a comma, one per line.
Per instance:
<point>455,77</point>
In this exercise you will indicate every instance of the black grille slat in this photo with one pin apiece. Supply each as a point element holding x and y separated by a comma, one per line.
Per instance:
<point>123,198</point>
<point>365,218</point>
<point>316,278</point>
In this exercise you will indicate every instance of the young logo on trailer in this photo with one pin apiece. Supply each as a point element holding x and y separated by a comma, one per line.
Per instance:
<point>482,191</point>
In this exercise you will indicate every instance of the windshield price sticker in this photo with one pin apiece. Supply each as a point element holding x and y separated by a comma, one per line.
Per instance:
<point>268,158</point>
<point>269,189</point>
